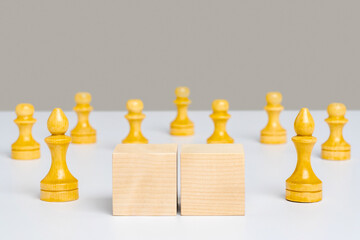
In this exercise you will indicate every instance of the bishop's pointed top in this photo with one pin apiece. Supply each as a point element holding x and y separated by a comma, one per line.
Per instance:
<point>304,123</point>
<point>58,123</point>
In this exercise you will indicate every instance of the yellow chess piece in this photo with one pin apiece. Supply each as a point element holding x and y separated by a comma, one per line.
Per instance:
<point>59,185</point>
<point>303,185</point>
<point>182,125</point>
<point>25,147</point>
<point>83,133</point>
<point>220,116</point>
<point>273,133</point>
<point>336,148</point>
<point>135,117</point>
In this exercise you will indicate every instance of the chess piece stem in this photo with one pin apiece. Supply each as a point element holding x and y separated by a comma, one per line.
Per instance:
<point>303,185</point>
<point>220,117</point>
<point>59,185</point>
<point>25,147</point>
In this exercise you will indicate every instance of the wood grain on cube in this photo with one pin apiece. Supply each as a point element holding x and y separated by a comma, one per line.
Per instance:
<point>212,179</point>
<point>145,179</point>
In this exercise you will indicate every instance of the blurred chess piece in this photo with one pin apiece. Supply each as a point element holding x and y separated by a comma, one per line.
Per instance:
<point>135,117</point>
<point>182,125</point>
<point>336,148</point>
<point>25,147</point>
<point>83,133</point>
<point>303,185</point>
<point>220,116</point>
<point>59,185</point>
<point>273,133</point>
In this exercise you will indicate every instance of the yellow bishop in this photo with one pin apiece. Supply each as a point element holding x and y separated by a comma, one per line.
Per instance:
<point>303,185</point>
<point>59,185</point>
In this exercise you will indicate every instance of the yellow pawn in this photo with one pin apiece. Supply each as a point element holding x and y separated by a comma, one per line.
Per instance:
<point>220,116</point>
<point>59,185</point>
<point>336,148</point>
<point>273,133</point>
<point>135,117</point>
<point>83,133</point>
<point>25,147</point>
<point>182,125</point>
<point>303,185</point>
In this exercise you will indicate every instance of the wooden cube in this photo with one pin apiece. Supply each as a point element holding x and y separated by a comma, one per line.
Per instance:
<point>212,179</point>
<point>145,179</point>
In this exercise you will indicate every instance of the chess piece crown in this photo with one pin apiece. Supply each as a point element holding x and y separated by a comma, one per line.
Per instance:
<point>59,185</point>
<point>182,125</point>
<point>220,116</point>
<point>303,185</point>
<point>336,148</point>
<point>273,133</point>
<point>25,147</point>
<point>135,117</point>
<point>83,133</point>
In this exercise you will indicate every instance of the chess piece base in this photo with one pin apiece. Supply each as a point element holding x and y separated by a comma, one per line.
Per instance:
<point>335,154</point>
<point>303,197</point>
<point>186,130</point>
<point>220,141</point>
<point>135,141</point>
<point>273,139</point>
<point>59,196</point>
<point>83,139</point>
<point>25,155</point>
<point>315,186</point>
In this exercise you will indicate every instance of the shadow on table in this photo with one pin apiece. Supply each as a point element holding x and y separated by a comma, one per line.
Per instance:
<point>241,138</point>
<point>178,209</point>
<point>317,153</point>
<point>101,204</point>
<point>5,154</point>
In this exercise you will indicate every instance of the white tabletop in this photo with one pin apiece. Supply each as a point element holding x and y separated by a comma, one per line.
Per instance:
<point>268,215</point>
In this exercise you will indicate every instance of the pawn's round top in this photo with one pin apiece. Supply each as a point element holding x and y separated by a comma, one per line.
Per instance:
<point>336,110</point>
<point>57,123</point>
<point>220,105</point>
<point>304,123</point>
<point>82,98</point>
<point>134,105</point>
<point>273,98</point>
<point>24,110</point>
<point>182,92</point>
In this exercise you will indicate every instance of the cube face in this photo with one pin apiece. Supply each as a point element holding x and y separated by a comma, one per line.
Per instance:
<point>145,180</point>
<point>212,179</point>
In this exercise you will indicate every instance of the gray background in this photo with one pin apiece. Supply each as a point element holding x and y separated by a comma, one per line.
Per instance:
<point>237,50</point>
